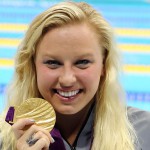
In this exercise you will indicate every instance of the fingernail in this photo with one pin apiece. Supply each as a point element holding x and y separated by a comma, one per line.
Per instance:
<point>52,141</point>
<point>32,120</point>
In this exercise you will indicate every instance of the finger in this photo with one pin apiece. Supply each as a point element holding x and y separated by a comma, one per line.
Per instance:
<point>42,143</point>
<point>34,129</point>
<point>52,139</point>
<point>21,123</point>
<point>32,140</point>
<point>19,126</point>
<point>35,132</point>
<point>38,135</point>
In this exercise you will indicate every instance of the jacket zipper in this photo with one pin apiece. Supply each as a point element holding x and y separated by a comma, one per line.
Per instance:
<point>73,148</point>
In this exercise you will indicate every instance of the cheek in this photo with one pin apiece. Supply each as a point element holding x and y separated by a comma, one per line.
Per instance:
<point>45,77</point>
<point>91,77</point>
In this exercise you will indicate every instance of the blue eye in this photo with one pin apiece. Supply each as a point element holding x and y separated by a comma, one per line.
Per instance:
<point>84,61</point>
<point>83,64</point>
<point>53,64</point>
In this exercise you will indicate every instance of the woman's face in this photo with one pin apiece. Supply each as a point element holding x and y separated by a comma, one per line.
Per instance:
<point>69,64</point>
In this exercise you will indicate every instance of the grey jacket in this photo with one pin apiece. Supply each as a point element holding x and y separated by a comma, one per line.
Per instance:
<point>140,120</point>
<point>141,123</point>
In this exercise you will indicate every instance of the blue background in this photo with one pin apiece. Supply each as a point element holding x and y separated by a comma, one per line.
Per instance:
<point>130,20</point>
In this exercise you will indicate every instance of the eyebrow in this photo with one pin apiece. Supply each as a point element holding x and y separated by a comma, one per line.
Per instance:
<point>79,55</point>
<point>86,55</point>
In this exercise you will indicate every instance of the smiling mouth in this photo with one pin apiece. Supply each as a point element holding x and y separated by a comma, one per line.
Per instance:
<point>68,94</point>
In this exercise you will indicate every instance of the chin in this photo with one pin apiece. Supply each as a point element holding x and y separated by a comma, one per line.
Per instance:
<point>67,111</point>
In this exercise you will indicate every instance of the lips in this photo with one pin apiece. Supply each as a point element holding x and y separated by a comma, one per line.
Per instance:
<point>67,94</point>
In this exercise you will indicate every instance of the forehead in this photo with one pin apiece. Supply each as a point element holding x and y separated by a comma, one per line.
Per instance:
<point>75,29</point>
<point>70,37</point>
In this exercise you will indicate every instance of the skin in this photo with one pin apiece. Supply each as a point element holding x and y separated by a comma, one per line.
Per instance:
<point>67,59</point>
<point>22,135</point>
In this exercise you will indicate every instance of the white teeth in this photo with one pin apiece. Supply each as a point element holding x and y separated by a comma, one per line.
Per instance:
<point>67,94</point>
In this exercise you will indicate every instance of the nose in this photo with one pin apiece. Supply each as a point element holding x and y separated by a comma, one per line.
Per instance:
<point>67,77</point>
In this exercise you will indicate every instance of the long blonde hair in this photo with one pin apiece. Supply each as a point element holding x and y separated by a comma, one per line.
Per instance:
<point>112,129</point>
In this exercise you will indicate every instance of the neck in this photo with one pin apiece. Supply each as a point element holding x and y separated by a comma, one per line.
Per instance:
<point>70,125</point>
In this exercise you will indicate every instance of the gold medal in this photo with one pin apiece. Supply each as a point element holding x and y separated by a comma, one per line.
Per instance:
<point>37,109</point>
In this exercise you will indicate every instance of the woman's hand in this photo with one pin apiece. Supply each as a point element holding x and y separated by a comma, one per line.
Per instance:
<point>29,136</point>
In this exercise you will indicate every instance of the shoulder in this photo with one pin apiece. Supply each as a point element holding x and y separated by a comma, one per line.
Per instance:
<point>140,120</point>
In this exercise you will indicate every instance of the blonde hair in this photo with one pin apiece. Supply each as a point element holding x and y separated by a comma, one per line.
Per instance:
<point>112,129</point>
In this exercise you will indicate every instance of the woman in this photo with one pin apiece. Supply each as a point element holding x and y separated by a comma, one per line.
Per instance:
<point>68,57</point>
